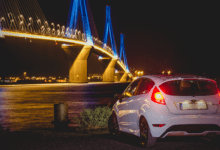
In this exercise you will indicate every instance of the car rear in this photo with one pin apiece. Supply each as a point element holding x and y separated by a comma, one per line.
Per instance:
<point>191,96</point>
<point>185,106</point>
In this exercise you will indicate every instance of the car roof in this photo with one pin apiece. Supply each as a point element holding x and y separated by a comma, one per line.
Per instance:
<point>161,78</point>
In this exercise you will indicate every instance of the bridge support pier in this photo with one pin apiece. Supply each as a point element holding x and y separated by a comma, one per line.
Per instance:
<point>129,79</point>
<point>78,69</point>
<point>108,75</point>
<point>124,77</point>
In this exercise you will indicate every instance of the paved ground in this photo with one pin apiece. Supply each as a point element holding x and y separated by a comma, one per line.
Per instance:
<point>70,140</point>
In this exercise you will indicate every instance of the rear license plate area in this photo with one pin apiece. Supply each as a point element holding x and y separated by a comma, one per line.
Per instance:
<point>193,106</point>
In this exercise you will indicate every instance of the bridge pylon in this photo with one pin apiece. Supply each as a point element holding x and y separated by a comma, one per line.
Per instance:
<point>78,56</point>
<point>124,77</point>
<point>108,75</point>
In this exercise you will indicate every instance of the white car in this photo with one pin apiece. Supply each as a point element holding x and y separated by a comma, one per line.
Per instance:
<point>157,106</point>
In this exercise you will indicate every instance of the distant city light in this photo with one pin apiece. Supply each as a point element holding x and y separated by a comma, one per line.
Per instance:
<point>66,45</point>
<point>139,73</point>
<point>1,33</point>
<point>32,79</point>
<point>25,73</point>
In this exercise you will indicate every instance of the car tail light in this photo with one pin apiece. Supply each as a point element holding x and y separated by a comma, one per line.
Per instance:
<point>158,125</point>
<point>157,97</point>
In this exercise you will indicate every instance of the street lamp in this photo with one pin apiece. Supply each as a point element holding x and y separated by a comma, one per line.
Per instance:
<point>25,75</point>
<point>140,73</point>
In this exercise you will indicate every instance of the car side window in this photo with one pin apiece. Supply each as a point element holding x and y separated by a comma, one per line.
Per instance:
<point>145,86</point>
<point>131,89</point>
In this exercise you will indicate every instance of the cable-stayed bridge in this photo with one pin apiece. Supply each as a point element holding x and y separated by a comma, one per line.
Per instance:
<point>25,19</point>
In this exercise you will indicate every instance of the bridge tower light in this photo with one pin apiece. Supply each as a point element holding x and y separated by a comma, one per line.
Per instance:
<point>75,7</point>
<point>1,23</point>
<point>63,31</point>
<point>21,22</point>
<point>122,51</point>
<point>12,21</point>
<point>53,29</point>
<point>67,33</point>
<point>109,29</point>
<point>30,24</point>
<point>58,30</point>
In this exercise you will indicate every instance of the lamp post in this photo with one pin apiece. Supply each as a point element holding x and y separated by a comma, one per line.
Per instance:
<point>25,75</point>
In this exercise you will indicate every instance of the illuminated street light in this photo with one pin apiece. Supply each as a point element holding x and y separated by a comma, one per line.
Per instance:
<point>169,72</point>
<point>139,73</point>
<point>163,72</point>
<point>58,30</point>
<point>30,24</point>
<point>25,75</point>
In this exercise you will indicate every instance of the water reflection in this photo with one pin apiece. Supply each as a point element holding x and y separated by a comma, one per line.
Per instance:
<point>31,106</point>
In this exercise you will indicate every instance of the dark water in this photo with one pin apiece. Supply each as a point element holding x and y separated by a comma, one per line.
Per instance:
<point>31,106</point>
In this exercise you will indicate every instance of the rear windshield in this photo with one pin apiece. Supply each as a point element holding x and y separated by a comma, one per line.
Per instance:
<point>189,87</point>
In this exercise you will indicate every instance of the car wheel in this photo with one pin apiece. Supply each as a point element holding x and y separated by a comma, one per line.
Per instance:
<point>113,125</point>
<point>146,138</point>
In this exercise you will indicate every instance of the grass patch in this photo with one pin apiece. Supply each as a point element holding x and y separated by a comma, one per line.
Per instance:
<point>93,119</point>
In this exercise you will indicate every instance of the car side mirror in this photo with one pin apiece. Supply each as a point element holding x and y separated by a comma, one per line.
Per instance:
<point>118,97</point>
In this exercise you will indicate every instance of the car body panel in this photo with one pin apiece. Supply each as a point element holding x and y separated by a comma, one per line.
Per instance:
<point>173,104</point>
<point>130,109</point>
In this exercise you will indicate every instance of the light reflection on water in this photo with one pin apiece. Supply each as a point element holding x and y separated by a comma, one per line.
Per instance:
<point>31,106</point>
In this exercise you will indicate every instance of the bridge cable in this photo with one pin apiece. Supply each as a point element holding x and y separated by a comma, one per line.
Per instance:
<point>109,29</point>
<point>122,51</point>
<point>76,7</point>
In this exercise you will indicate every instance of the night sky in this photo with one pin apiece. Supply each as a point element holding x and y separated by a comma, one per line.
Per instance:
<point>181,36</point>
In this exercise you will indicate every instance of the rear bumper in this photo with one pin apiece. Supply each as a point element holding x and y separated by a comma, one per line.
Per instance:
<point>192,130</point>
<point>182,133</point>
<point>183,125</point>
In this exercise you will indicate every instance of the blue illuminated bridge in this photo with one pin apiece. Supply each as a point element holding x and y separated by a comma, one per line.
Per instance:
<point>25,19</point>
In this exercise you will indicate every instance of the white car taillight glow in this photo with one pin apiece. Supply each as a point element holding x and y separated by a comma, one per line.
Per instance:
<point>157,97</point>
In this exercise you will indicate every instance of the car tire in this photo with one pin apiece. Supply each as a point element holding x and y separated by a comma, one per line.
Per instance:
<point>146,139</point>
<point>113,125</point>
